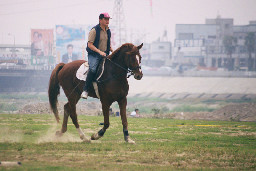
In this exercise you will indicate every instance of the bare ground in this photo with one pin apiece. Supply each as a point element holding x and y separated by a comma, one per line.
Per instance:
<point>230,112</point>
<point>88,108</point>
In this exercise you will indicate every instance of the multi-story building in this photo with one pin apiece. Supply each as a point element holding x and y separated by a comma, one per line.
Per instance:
<point>15,54</point>
<point>202,44</point>
<point>160,53</point>
<point>240,32</point>
<point>191,40</point>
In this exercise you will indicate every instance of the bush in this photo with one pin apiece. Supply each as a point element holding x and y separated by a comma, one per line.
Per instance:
<point>188,108</point>
<point>8,107</point>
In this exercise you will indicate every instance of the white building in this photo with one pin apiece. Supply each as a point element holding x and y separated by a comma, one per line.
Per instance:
<point>160,53</point>
<point>202,44</point>
<point>15,54</point>
<point>191,40</point>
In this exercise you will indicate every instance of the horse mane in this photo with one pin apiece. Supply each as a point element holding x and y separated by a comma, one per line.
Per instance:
<point>127,46</point>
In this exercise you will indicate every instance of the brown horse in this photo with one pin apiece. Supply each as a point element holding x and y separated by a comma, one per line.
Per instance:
<point>112,86</point>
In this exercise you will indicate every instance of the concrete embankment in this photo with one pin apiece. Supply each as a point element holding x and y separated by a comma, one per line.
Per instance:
<point>197,87</point>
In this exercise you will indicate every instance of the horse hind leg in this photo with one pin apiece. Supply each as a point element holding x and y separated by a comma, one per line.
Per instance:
<point>73,116</point>
<point>65,120</point>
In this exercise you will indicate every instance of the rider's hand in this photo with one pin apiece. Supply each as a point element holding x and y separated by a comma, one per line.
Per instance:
<point>103,53</point>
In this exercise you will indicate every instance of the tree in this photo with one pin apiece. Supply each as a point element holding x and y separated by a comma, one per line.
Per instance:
<point>250,46</point>
<point>229,43</point>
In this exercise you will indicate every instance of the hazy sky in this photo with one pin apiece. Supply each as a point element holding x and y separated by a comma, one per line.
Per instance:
<point>17,17</point>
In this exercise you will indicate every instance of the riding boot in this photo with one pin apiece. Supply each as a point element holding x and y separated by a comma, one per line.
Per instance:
<point>88,82</point>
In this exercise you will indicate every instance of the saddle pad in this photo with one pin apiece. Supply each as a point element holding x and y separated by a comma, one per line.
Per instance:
<point>81,74</point>
<point>82,71</point>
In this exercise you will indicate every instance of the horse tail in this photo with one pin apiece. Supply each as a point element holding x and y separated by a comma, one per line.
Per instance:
<point>54,90</point>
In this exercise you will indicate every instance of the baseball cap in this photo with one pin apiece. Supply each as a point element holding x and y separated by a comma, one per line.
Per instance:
<point>104,15</point>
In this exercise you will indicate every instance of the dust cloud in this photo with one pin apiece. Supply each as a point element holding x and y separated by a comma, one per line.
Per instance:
<point>50,136</point>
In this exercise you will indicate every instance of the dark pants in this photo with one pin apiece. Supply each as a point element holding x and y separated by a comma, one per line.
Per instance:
<point>93,61</point>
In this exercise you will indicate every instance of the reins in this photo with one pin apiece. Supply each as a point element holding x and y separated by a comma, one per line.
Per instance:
<point>127,70</point>
<point>74,89</point>
<point>116,76</point>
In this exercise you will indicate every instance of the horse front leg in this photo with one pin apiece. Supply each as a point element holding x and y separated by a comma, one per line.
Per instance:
<point>100,133</point>
<point>122,105</point>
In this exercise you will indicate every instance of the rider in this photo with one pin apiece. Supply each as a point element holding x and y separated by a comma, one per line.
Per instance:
<point>98,46</point>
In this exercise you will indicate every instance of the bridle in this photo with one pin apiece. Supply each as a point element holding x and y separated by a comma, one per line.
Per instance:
<point>128,71</point>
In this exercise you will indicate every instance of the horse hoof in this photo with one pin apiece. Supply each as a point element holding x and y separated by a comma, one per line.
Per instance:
<point>85,139</point>
<point>58,133</point>
<point>129,140</point>
<point>95,136</point>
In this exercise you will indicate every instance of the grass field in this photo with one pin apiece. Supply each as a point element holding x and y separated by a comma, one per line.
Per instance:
<point>161,144</point>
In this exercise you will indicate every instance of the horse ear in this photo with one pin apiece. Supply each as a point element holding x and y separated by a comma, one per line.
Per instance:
<point>140,46</point>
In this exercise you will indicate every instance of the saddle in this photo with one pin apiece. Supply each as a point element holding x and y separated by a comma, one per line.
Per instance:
<point>82,71</point>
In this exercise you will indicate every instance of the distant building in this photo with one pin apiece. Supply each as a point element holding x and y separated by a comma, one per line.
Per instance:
<point>225,26</point>
<point>145,53</point>
<point>190,42</point>
<point>15,54</point>
<point>240,32</point>
<point>19,56</point>
<point>160,53</point>
<point>157,53</point>
<point>202,44</point>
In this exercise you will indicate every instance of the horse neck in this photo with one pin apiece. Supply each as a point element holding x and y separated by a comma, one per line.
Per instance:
<point>117,66</point>
<point>120,60</point>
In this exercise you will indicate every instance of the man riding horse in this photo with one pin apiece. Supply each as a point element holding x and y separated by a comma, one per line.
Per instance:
<point>112,83</point>
<point>98,46</point>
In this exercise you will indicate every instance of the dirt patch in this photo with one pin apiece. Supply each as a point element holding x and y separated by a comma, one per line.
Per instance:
<point>230,112</point>
<point>140,132</point>
<point>237,112</point>
<point>240,133</point>
<point>88,108</point>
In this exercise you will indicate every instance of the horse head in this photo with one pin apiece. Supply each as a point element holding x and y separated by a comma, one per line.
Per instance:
<point>128,56</point>
<point>133,60</point>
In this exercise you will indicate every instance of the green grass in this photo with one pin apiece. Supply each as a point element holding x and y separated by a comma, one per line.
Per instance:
<point>179,108</point>
<point>245,100</point>
<point>148,99</point>
<point>150,110</point>
<point>191,108</point>
<point>161,144</point>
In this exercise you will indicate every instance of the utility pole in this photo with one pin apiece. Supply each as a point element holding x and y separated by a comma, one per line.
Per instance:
<point>118,27</point>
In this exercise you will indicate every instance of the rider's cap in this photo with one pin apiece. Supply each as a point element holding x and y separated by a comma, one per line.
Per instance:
<point>104,15</point>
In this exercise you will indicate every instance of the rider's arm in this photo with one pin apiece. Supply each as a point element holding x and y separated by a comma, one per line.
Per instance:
<point>111,50</point>
<point>92,47</point>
